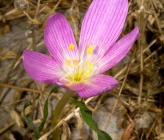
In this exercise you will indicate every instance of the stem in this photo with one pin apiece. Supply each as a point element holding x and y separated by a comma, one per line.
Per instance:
<point>58,112</point>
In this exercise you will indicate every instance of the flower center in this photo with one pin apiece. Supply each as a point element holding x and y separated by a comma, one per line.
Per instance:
<point>77,70</point>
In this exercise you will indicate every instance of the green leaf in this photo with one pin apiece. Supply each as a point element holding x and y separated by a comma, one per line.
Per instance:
<point>45,115</point>
<point>54,89</point>
<point>87,116</point>
<point>29,123</point>
<point>45,110</point>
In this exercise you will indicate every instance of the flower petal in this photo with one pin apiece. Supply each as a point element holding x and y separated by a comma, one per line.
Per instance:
<point>102,25</point>
<point>41,67</point>
<point>59,38</point>
<point>97,85</point>
<point>75,86</point>
<point>118,51</point>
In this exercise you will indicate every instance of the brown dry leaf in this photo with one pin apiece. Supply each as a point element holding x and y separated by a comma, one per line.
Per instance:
<point>8,55</point>
<point>4,28</point>
<point>128,131</point>
<point>10,137</point>
<point>132,138</point>
<point>79,123</point>
<point>66,132</point>
<point>16,97</point>
<point>17,118</point>
<point>27,110</point>
<point>160,137</point>
<point>34,21</point>
<point>13,13</point>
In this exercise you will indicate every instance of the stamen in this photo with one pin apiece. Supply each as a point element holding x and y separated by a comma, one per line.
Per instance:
<point>76,62</point>
<point>90,65</point>
<point>67,62</point>
<point>88,72</point>
<point>71,47</point>
<point>90,50</point>
<point>78,71</point>
<point>68,85</point>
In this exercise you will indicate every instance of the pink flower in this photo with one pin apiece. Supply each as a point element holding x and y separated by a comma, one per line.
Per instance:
<point>80,68</point>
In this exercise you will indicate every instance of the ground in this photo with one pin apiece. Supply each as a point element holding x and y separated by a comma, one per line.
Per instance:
<point>132,111</point>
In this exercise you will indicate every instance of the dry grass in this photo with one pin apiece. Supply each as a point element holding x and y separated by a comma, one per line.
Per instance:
<point>141,73</point>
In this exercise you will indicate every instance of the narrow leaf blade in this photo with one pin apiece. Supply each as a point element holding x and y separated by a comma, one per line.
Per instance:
<point>45,110</point>
<point>87,116</point>
<point>29,123</point>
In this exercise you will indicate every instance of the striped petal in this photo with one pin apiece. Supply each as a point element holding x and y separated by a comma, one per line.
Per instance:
<point>118,51</point>
<point>75,86</point>
<point>97,85</point>
<point>102,25</point>
<point>41,67</point>
<point>59,38</point>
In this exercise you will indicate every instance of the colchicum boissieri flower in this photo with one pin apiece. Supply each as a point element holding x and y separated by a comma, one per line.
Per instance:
<point>80,68</point>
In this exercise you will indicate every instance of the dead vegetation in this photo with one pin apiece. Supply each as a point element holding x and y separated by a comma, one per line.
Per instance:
<point>137,103</point>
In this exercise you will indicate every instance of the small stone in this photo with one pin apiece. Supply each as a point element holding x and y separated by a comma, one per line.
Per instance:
<point>20,4</point>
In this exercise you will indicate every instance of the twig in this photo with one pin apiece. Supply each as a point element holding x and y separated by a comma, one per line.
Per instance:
<point>19,88</point>
<point>114,107</point>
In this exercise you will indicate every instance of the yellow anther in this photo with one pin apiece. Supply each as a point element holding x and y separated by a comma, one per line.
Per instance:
<point>85,75</point>
<point>88,72</point>
<point>76,62</point>
<point>90,50</point>
<point>67,62</point>
<point>90,66</point>
<point>71,47</point>
<point>68,85</point>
